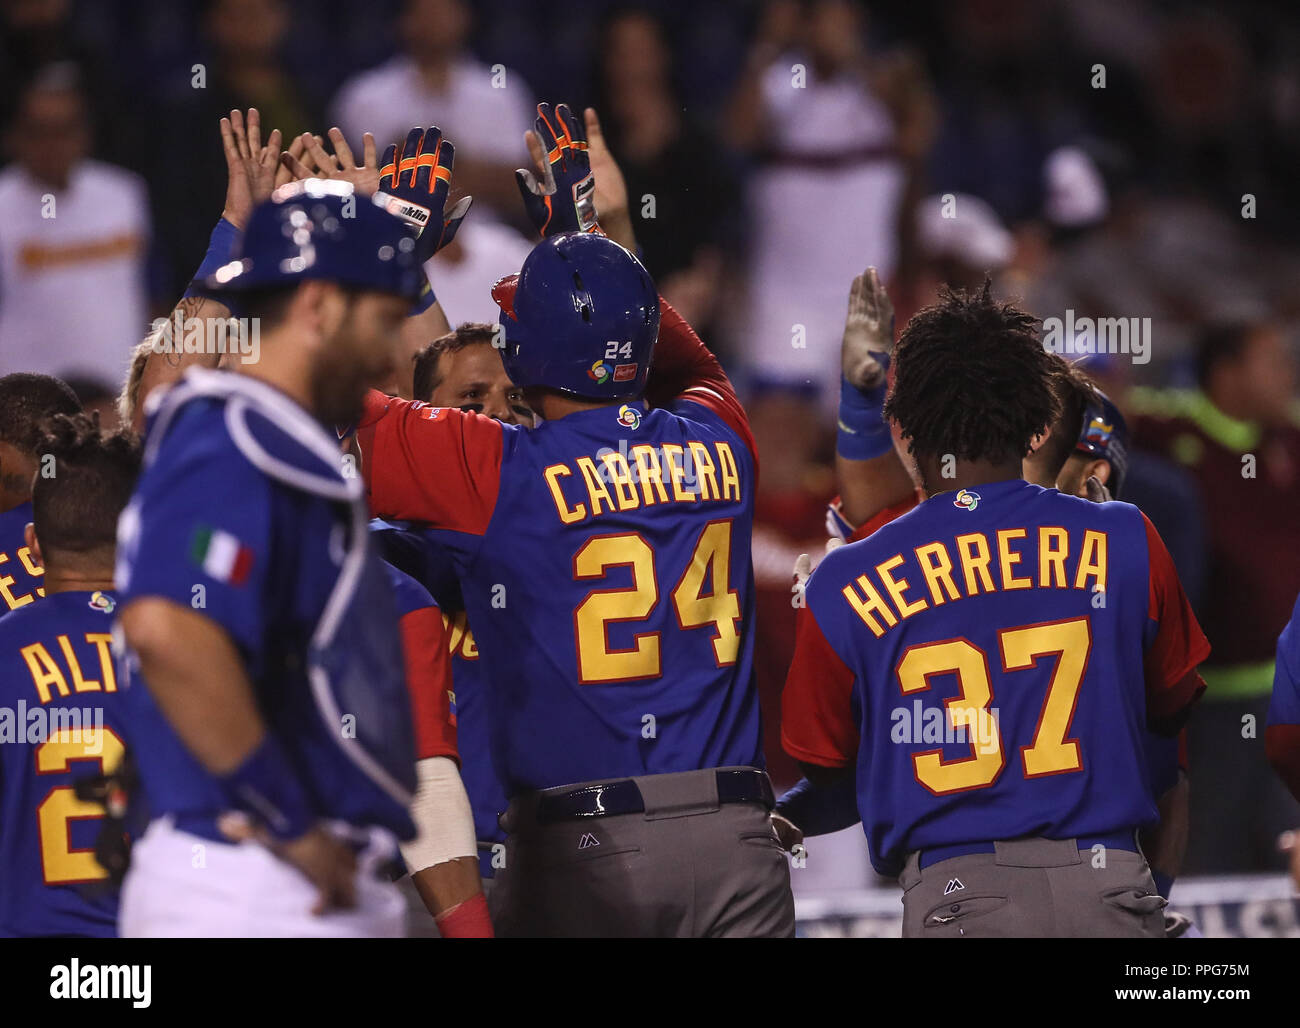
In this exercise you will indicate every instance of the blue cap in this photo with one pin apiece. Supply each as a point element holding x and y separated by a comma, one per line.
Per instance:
<point>1104,434</point>
<point>582,316</point>
<point>321,229</point>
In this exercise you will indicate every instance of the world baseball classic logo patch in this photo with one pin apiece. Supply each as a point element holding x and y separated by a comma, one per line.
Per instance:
<point>598,372</point>
<point>629,417</point>
<point>100,602</point>
<point>967,499</point>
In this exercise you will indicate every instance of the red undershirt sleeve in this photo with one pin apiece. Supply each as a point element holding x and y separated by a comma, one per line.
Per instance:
<point>817,725</point>
<point>434,464</point>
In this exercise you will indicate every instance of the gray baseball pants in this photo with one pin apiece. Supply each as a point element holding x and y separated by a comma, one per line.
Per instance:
<point>688,866</point>
<point>1032,888</point>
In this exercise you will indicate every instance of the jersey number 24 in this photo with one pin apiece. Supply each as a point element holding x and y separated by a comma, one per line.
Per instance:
<point>719,607</point>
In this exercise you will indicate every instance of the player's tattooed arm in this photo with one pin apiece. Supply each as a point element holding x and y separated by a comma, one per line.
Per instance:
<point>253,170</point>
<point>870,474</point>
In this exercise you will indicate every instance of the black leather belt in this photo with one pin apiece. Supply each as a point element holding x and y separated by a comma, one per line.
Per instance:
<point>610,799</point>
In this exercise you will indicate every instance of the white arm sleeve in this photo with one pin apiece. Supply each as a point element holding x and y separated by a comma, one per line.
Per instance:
<point>443,820</point>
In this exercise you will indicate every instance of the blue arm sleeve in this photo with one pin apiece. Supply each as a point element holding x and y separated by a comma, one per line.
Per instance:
<point>820,811</point>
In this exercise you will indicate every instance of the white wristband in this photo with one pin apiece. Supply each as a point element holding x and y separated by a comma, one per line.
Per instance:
<point>443,819</point>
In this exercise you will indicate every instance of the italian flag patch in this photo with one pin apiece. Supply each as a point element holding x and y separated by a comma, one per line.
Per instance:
<point>221,555</point>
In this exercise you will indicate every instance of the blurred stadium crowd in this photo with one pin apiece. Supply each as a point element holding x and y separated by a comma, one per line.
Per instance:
<point>1115,159</point>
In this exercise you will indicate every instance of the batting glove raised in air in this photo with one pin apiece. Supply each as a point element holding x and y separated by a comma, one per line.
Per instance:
<point>563,200</point>
<point>868,333</point>
<point>415,187</point>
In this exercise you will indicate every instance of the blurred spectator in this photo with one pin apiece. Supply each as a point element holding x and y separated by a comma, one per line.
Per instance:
<point>960,241</point>
<point>484,110</point>
<point>243,66</point>
<point>829,191</point>
<point>73,234</point>
<point>37,33</point>
<point>1237,438</point>
<point>999,66</point>
<point>462,274</point>
<point>683,196</point>
<point>464,271</point>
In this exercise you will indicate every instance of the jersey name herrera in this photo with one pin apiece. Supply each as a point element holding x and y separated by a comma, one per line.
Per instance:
<point>643,476</point>
<point>975,563</point>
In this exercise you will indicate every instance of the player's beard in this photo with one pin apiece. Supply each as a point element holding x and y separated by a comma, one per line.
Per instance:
<point>348,367</point>
<point>337,395</point>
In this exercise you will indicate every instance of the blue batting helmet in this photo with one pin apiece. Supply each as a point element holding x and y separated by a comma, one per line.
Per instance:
<point>1104,434</point>
<point>320,229</point>
<point>582,316</point>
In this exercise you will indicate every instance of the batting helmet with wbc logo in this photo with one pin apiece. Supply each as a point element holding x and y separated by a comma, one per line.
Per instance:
<point>1104,434</point>
<point>581,317</point>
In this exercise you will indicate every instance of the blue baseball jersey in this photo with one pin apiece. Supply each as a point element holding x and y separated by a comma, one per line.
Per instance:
<point>243,513</point>
<point>62,719</point>
<point>989,663</point>
<point>407,547</point>
<point>1284,707</point>
<point>20,575</point>
<point>604,562</point>
<point>1282,735</point>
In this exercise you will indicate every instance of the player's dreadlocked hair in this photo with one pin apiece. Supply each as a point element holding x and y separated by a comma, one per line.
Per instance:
<point>971,379</point>
<point>25,400</point>
<point>1074,391</point>
<point>84,479</point>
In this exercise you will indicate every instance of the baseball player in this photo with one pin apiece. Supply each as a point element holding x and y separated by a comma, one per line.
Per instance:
<point>61,712</point>
<point>1282,736</point>
<point>1084,453</point>
<point>1030,635</point>
<point>603,561</point>
<point>442,858</point>
<point>24,400</point>
<point>462,369</point>
<point>267,688</point>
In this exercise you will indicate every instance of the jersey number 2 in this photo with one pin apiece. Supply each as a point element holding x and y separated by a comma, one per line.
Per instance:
<point>1050,752</point>
<point>60,863</point>
<point>719,607</point>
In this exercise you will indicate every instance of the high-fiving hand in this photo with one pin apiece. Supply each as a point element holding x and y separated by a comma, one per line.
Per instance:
<point>868,332</point>
<point>250,166</point>
<point>415,187</point>
<point>312,161</point>
<point>563,198</point>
